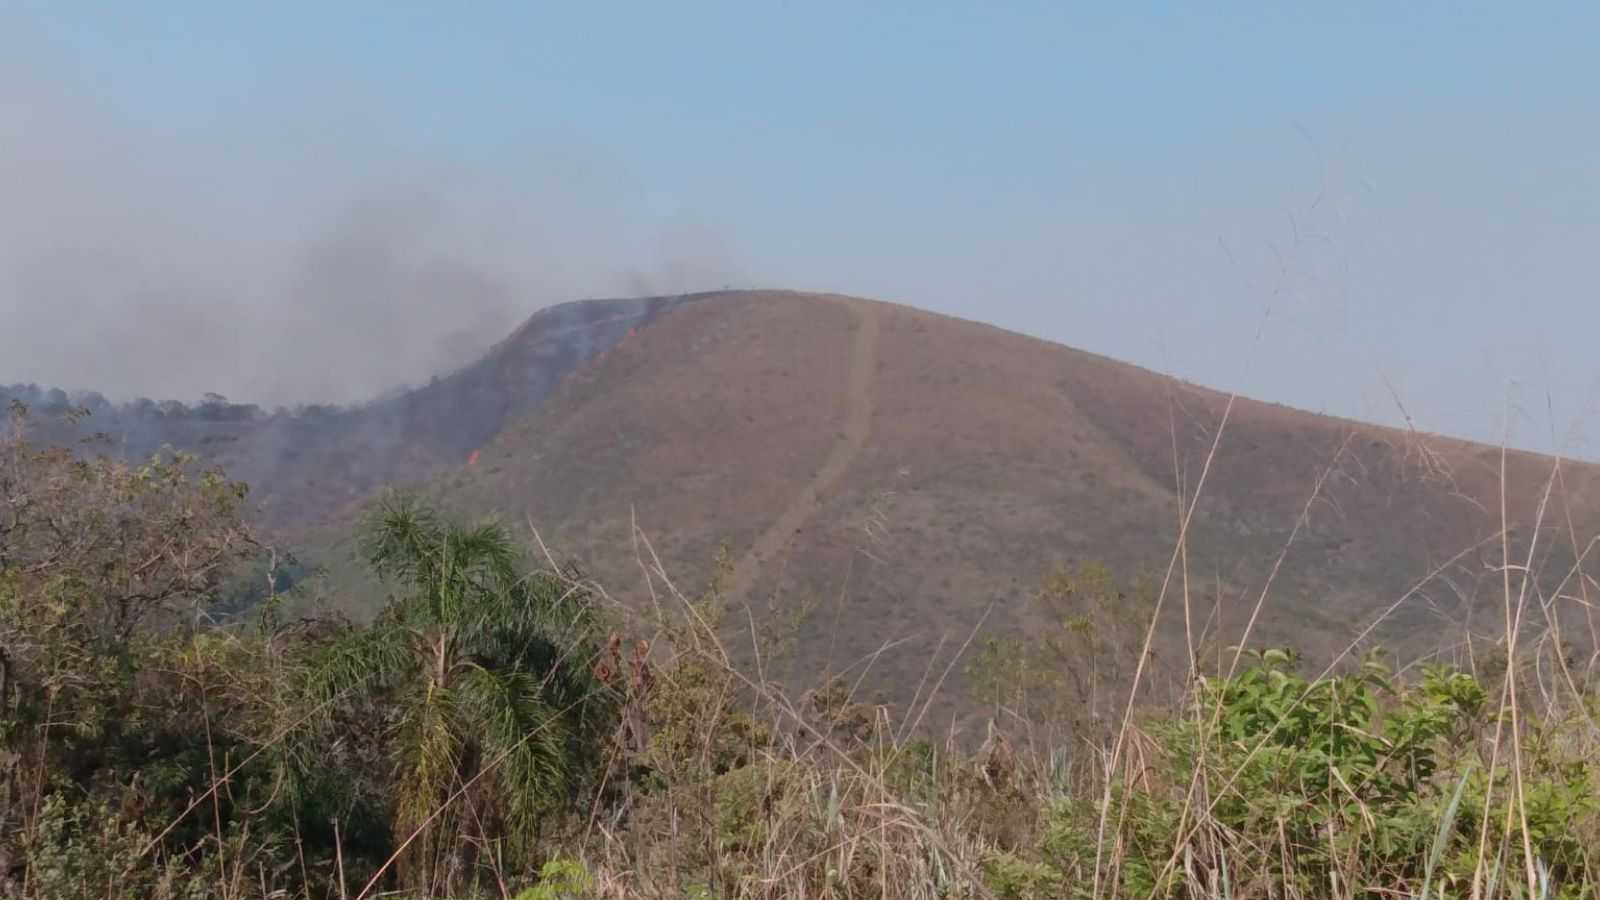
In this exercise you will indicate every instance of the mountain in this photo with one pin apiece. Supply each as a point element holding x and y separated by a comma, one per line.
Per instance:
<point>896,474</point>
<point>884,475</point>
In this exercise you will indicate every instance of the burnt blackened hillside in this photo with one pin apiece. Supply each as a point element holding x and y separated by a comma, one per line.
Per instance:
<point>305,463</point>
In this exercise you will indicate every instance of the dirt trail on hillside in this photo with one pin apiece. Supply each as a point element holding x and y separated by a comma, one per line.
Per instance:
<point>857,425</point>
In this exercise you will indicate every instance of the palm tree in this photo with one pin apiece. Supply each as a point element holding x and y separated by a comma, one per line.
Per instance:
<point>485,668</point>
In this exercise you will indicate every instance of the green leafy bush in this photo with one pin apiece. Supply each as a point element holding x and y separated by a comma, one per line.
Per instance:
<point>1342,781</point>
<point>562,878</point>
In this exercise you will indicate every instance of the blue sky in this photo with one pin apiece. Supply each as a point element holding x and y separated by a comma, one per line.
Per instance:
<point>1406,194</point>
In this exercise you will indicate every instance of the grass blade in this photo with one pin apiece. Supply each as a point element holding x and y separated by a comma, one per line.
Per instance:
<point>1441,840</point>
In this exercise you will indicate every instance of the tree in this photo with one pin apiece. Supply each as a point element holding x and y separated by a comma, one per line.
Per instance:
<point>494,712</point>
<point>106,569</point>
<point>96,554</point>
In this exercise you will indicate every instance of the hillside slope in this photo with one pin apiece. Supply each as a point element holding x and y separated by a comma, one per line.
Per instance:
<point>892,475</point>
<point>309,465</point>
<point>883,475</point>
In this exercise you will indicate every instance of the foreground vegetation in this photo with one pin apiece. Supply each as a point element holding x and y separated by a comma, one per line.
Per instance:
<point>501,730</point>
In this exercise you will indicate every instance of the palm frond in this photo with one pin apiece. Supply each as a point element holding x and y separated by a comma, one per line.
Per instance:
<point>402,540</point>
<point>527,736</point>
<point>376,657</point>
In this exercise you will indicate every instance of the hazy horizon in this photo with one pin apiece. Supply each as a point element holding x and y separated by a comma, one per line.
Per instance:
<point>1334,211</point>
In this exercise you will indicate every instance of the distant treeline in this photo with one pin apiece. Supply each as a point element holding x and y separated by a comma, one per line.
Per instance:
<point>142,426</point>
<point>211,408</point>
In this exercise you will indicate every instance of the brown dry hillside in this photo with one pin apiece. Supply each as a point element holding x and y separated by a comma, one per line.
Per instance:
<point>887,475</point>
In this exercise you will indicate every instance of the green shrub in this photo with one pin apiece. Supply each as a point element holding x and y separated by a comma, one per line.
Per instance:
<point>562,878</point>
<point>1342,781</point>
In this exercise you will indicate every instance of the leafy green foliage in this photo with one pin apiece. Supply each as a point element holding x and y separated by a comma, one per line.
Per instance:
<point>89,850</point>
<point>93,553</point>
<point>561,879</point>
<point>1355,780</point>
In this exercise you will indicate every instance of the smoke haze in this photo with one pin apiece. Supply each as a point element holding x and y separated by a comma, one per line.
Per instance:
<point>298,266</point>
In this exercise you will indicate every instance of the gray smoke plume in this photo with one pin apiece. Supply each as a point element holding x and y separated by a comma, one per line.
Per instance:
<point>291,267</point>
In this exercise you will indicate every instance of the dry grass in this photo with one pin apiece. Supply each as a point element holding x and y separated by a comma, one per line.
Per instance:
<point>838,816</point>
<point>839,821</point>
